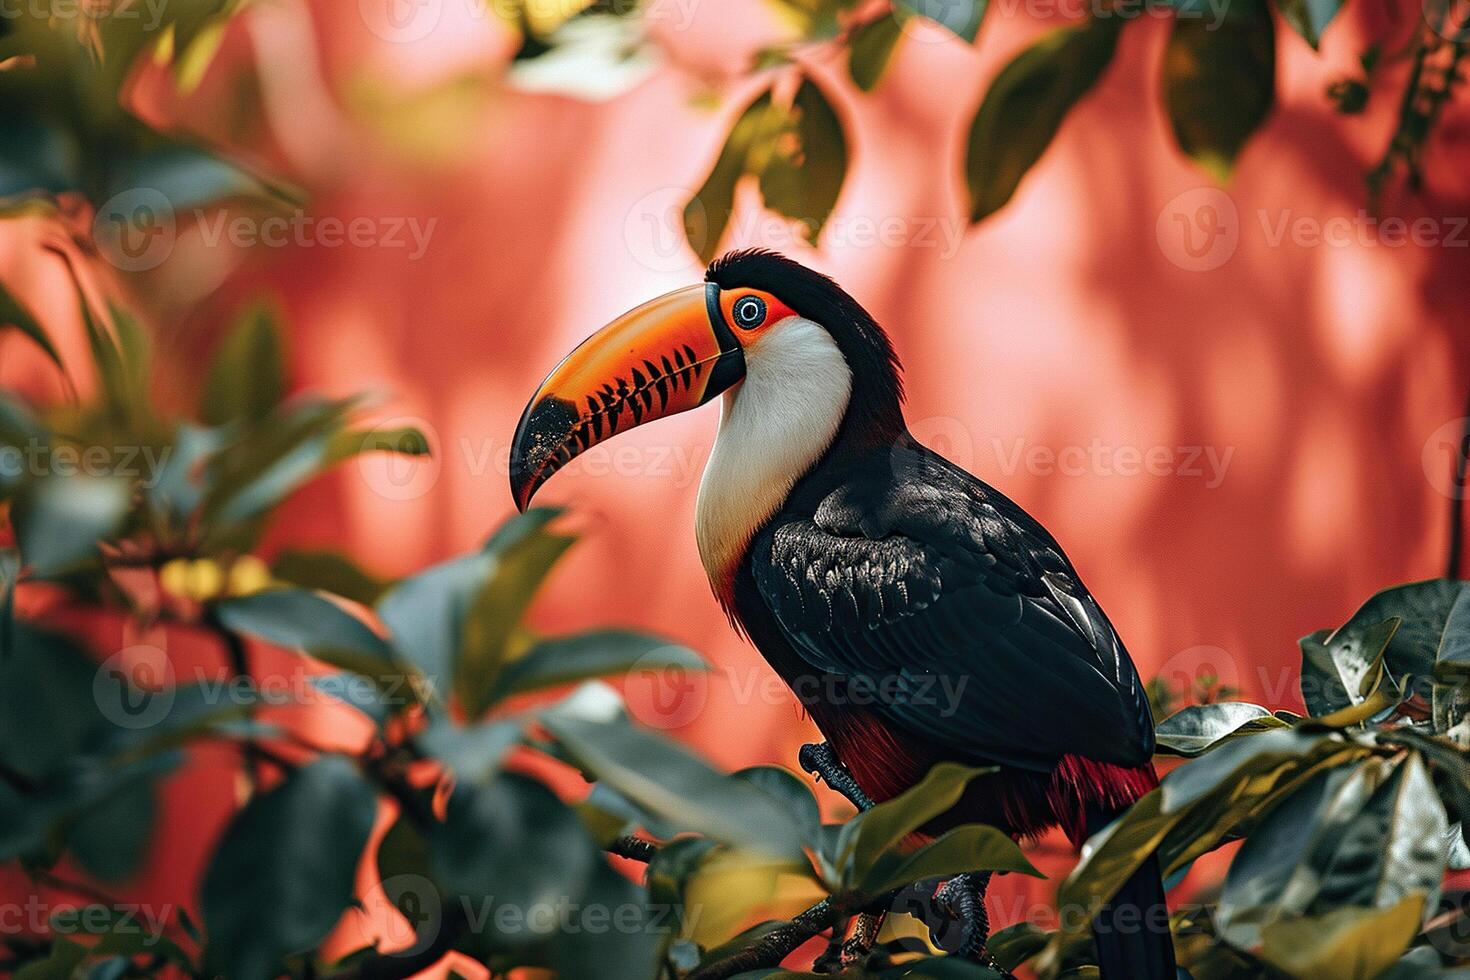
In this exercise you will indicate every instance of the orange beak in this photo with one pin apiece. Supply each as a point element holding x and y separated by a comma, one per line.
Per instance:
<point>667,356</point>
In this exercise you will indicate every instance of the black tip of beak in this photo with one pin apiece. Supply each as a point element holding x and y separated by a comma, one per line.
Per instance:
<point>540,446</point>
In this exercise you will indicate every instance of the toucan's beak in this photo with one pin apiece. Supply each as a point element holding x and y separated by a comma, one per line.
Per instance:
<point>667,356</point>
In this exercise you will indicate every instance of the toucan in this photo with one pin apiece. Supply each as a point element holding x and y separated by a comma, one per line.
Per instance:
<point>867,568</point>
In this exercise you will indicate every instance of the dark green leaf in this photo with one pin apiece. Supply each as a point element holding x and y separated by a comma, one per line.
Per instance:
<point>512,841</point>
<point>1026,104</point>
<point>803,179</point>
<point>1219,79</point>
<point>247,378</point>
<point>302,620</point>
<point>178,488</point>
<point>1197,727</point>
<point>282,875</point>
<point>1453,660</point>
<point>65,956</point>
<point>9,578</point>
<point>599,653</point>
<point>961,17</point>
<point>671,783</point>
<point>870,835</point>
<point>272,460</point>
<point>356,690</point>
<point>747,148</point>
<point>1342,668</point>
<point>793,793</point>
<point>973,847</point>
<point>60,520</point>
<point>1278,871</point>
<point>110,838</point>
<point>1309,18</point>
<point>872,49</point>
<point>520,563</point>
<point>1015,944</point>
<point>617,935</point>
<point>328,571</point>
<point>474,752</point>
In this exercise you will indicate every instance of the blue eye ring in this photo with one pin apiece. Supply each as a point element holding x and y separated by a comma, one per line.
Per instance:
<point>748,312</point>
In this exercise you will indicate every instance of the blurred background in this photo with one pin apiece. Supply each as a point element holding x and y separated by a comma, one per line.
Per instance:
<point>1231,383</point>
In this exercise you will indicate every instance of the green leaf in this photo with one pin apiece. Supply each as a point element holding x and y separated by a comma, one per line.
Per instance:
<point>793,793</point>
<point>630,949</point>
<point>803,179</point>
<point>867,837</point>
<point>1197,727</point>
<point>1345,944</point>
<point>598,653</point>
<point>274,458</point>
<point>1309,18</point>
<point>668,781</point>
<point>1219,79</point>
<point>514,842</point>
<point>521,561</point>
<point>973,847</point>
<point>960,17</point>
<point>474,752</point>
<point>1343,668</point>
<point>747,148</point>
<point>403,851</point>
<point>308,621</point>
<point>1015,944</point>
<point>247,378</point>
<point>9,579</point>
<point>282,874</point>
<point>1452,663</point>
<point>178,489</point>
<point>455,620</point>
<point>14,314</point>
<point>1278,871</point>
<point>1423,607</point>
<point>65,956</point>
<point>872,49</point>
<point>1259,753</point>
<point>1026,104</point>
<point>60,520</point>
<point>328,571</point>
<point>110,838</point>
<point>404,440</point>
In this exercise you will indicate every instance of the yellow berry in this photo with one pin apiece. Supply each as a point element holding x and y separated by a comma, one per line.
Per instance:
<point>248,574</point>
<point>174,577</point>
<point>205,580</point>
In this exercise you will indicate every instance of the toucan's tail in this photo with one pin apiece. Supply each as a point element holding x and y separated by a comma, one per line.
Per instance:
<point>1132,931</point>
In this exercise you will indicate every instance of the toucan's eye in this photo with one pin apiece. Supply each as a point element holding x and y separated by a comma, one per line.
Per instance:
<point>750,312</point>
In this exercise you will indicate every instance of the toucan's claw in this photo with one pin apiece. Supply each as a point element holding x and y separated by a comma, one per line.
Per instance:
<point>818,758</point>
<point>962,898</point>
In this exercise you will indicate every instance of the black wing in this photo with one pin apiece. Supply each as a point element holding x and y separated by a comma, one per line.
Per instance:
<point>958,613</point>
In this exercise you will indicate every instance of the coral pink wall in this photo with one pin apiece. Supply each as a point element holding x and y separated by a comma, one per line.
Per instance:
<point>1289,400</point>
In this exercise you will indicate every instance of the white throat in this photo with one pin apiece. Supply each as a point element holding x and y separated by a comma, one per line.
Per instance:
<point>774,426</point>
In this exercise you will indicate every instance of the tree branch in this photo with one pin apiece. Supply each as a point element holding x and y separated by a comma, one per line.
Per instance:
<point>771,949</point>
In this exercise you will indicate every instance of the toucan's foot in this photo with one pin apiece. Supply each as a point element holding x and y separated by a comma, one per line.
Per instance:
<point>818,757</point>
<point>962,898</point>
